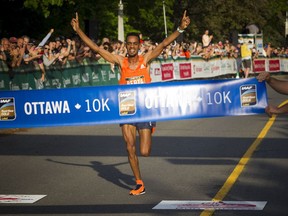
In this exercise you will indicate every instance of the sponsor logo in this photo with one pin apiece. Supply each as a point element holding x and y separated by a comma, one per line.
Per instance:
<point>20,198</point>
<point>211,205</point>
<point>167,71</point>
<point>7,109</point>
<point>248,95</point>
<point>127,103</point>
<point>185,70</point>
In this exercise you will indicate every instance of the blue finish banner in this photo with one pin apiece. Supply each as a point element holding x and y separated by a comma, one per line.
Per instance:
<point>131,103</point>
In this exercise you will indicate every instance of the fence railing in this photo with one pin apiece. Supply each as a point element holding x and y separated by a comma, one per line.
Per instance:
<point>72,74</point>
<point>93,73</point>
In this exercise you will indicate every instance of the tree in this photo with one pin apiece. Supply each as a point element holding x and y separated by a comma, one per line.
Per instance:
<point>221,17</point>
<point>148,17</point>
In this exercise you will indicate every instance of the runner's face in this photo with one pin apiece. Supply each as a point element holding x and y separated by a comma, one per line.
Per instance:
<point>133,46</point>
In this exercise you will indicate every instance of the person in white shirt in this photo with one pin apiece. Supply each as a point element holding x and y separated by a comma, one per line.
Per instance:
<point>206,39</point>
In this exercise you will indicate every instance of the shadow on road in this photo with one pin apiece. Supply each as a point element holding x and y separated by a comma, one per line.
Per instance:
<point>109,172</point>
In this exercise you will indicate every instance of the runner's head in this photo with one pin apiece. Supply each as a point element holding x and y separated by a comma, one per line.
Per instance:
<point>132,43</point>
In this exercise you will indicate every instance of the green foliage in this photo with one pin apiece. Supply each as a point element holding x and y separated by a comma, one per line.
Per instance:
<point>221,17</point>
<point>44,5</point>
<point>147,17</point>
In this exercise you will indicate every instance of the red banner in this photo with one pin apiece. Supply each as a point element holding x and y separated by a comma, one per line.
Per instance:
<point>167,71</point>
<point>185,70</point>
<point>259,65</point>
<point>274,65</point>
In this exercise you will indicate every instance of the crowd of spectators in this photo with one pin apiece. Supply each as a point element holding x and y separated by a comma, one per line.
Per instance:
<point>16,52</point>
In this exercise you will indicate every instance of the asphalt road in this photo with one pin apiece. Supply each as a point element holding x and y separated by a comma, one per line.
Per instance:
<point>84,170</point>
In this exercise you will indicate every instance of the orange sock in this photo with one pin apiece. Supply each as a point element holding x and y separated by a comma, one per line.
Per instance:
<point>139,182</point>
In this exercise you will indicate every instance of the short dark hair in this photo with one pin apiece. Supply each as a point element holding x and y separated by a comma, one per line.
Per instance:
<point>133,34</point>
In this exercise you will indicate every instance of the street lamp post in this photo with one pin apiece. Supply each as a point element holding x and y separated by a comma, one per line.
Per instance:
<point>286,24</point>
<point>120,22</point>
<point>164,14</point>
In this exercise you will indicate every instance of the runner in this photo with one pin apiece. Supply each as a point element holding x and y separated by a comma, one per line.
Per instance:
<point>134,69</point>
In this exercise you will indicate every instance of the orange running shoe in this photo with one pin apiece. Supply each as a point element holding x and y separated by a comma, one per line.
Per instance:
<point>139,190</point>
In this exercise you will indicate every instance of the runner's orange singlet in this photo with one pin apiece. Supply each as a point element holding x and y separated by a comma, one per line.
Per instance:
<point>138,76</point>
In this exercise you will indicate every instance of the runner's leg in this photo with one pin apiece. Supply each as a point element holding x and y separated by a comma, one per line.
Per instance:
<point>129,135</point>
<point>145,141</point>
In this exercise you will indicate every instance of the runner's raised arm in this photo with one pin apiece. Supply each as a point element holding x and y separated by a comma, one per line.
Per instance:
<point>114,59</point>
